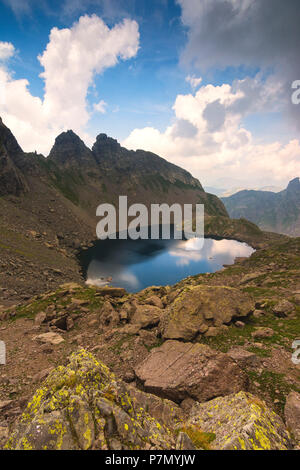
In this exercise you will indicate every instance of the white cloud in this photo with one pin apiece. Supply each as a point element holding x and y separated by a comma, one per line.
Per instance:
<point>220,144</point>
<point>71,60</point>
<point>100,107</point>
<point>256,34</point>
<point>193,81</point>
<point>7,50</point>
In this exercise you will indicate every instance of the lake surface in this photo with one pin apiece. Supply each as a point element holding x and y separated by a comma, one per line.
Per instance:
<point>135,265</point>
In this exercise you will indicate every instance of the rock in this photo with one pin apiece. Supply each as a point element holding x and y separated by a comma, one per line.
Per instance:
<point>244,358</point>
<point>109,317</point>
<point>60,323</point>
<point>5,404</point>
<point>240,324</point>
<point>262,333</point>
<point>240,422</point>
<point>204,373</point>
<point>184,442</point>
<point>198,306</point>
<point>49,338</point>
<point>155,301</point>
<point>165,411</point>
<point>187,404</point>
<point>130,329</point>
<point>283,308</point>
<point>249,277</point>
<point>46,349</point>
<point>69,323</point>
<point>111,291</point>
<point>83,406</point>
<point>4,432</point>
<point>78,302</point>
<point>214,331</point>
<point>40,318</point>
<point>123,314</point>
<point>258,313</point>
<point>129,377</point>
<point>40,376</point>
<point>292,414</point>
<point>148,337</point>
<point>146,316</point>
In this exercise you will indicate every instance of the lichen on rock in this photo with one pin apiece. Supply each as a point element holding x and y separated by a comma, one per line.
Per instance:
<point>240,422</point>
<point>83,406</point>
<point>197,308</point>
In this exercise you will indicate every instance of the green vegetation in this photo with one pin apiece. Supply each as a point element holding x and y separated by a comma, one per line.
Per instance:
<point>274,386</point>
<point>200,439</point>
<point>60,299</point>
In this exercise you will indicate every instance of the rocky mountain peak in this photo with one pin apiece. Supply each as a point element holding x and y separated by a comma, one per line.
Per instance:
<point>70,150</point>
<point>8,140</point>
<point>11,163</point>
<point>294,185</point>
<point>105,147</point>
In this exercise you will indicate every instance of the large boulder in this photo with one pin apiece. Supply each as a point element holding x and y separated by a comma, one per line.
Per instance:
<point>292,414</point>
<point>49,338</point>
<point>179,370</point>
<point>197,308</point>
<point>239,422</point>
<point>146,316</point>
<point>283,308</point>
<point>244,358</point>
<point>83,406</point>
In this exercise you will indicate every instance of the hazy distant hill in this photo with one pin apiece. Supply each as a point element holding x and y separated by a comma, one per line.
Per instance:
<point>221,192</point>
<point>278,212</point>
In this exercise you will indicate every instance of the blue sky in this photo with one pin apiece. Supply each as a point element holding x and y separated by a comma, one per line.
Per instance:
<point>236,122</point>
<point>142,89</point>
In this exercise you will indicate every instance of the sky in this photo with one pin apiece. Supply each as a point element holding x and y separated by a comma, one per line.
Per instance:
<point>206,84</point>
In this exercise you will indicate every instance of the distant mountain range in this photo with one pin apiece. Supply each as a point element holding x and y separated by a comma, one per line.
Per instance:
<point>277,212</point>
<point>222,192</point>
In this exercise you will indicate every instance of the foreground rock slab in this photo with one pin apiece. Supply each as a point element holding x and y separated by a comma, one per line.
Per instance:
<point>240,422</point>
<point>49,338</point>
<point>292,415</point>
<point>198,308</point>
<point>83,406</point>
<point>179,370</point>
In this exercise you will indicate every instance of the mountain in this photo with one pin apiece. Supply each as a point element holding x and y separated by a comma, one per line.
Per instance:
<point>88,177</point>
<point>48,205</point>
<point>221,192</point>
<point>278,212</point>
<point>11,157</point>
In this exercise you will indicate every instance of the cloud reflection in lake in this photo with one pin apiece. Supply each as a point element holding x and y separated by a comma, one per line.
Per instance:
<point>135,265</point>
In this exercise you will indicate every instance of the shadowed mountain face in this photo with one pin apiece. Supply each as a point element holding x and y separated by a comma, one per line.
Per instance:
<point>11,156</point>
<point>278,212</point>
<point>70,151</point>
<point>87,178</point>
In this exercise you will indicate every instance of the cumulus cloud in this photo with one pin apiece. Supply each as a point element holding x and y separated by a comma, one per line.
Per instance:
<point>220,144</point>
<point>7,50</point>
<point>256,34</point>
<point>100,107</point>
<point>71,60</point>
<point>193,81</point>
